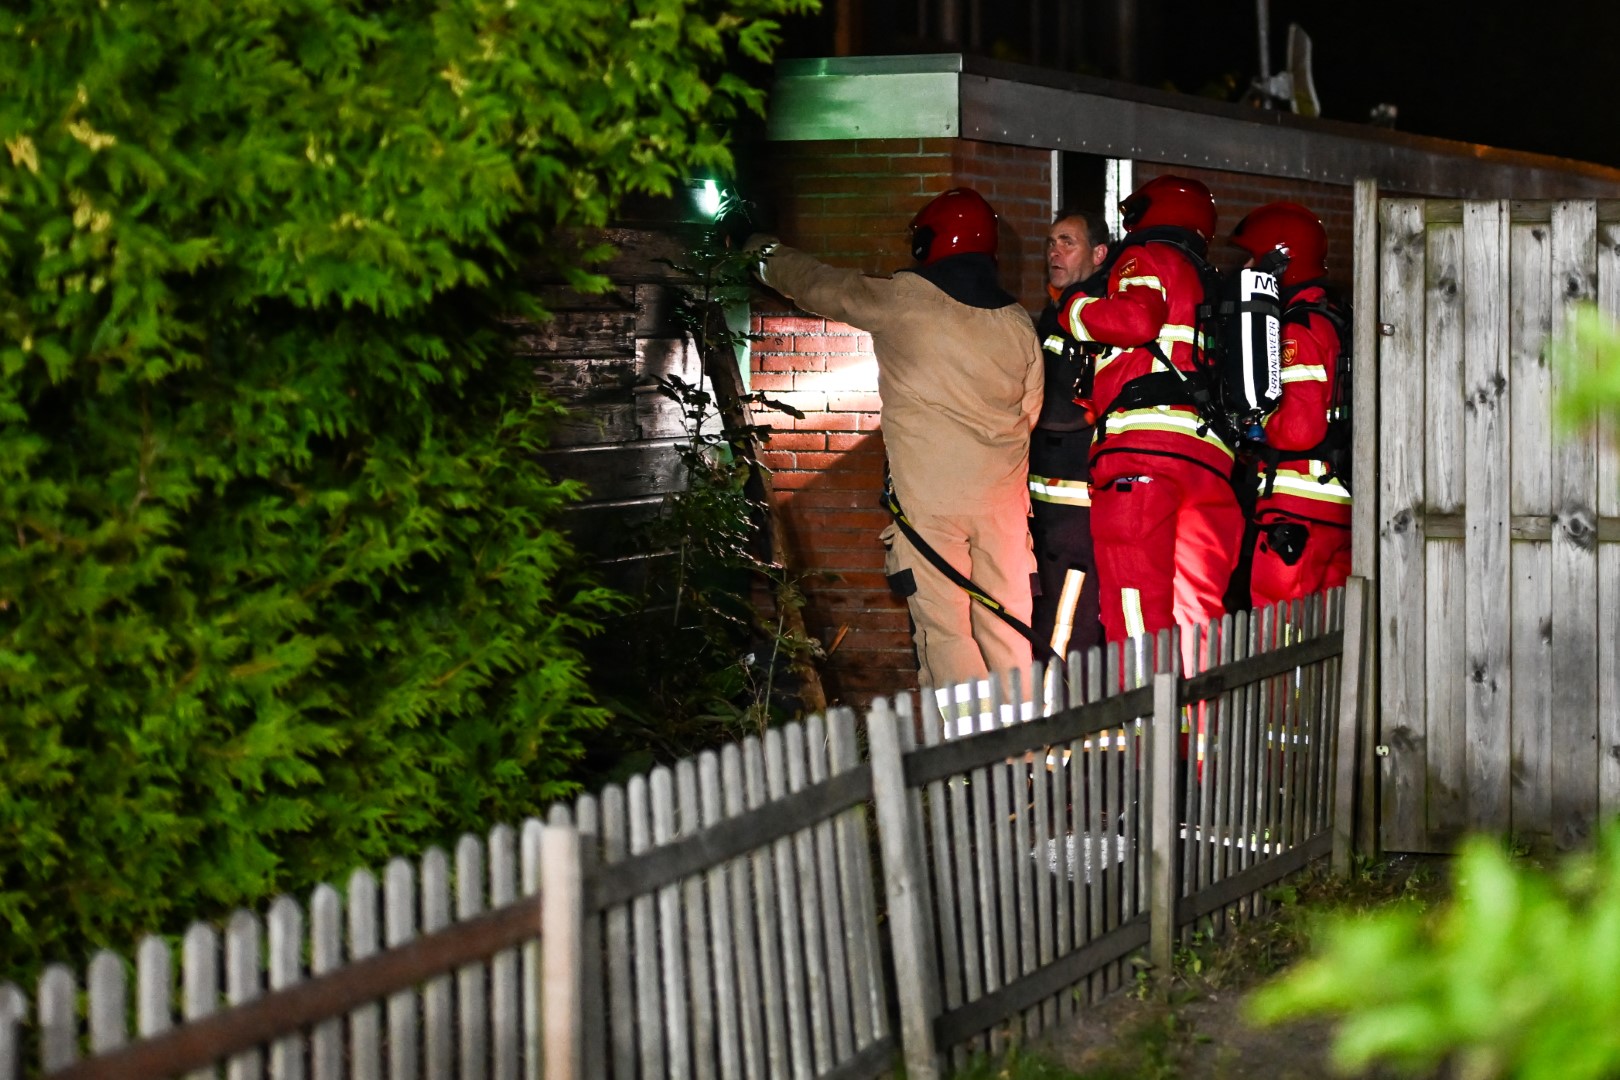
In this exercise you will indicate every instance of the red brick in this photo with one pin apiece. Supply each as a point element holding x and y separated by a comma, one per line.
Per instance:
<point>793,440</point>
<point>788,481</point>
<point>870,582</point>
<point>829,343</point>
<point>763,380</point>
<point>868,403</point>
<point>810,462</point>
<point>863,443</point>
<point>774,343</point>
<point>790,362</point>
<point>792,324</point>
<point>872,520</point>
<point>804,401</point>
<point>830,422</point>
<point>862,359</point>
<point>844,559</point>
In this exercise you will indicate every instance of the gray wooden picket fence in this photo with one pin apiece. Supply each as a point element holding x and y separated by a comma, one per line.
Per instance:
<point>720,918</point>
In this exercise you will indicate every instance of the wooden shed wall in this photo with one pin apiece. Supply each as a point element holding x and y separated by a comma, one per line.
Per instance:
<point>599,356</point>
<point>1499,530</point>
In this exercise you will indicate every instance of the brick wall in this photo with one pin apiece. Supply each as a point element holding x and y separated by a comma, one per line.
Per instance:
<point>849,203</point>
<point>827,470</point>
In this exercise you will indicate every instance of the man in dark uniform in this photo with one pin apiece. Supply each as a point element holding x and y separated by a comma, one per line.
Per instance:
<point>1066,608</point>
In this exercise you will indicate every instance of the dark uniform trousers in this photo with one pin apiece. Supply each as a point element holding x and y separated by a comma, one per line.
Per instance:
<point>1060,526</point>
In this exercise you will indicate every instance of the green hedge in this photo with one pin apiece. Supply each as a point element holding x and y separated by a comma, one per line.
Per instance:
<point>280,592</point>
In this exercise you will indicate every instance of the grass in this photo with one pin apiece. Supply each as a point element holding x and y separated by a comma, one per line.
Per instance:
<point>1152,1035</point>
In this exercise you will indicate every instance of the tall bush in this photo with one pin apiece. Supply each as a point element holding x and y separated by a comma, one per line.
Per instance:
<point>279,588</point>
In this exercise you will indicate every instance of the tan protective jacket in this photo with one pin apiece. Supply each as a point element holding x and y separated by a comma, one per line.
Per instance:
<point>960,386</point>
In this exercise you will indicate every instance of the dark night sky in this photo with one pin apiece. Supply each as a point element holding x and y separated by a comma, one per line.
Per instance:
<point>1525,76</point>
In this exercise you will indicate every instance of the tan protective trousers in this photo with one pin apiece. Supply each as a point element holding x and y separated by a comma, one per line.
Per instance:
<point>958,639</point>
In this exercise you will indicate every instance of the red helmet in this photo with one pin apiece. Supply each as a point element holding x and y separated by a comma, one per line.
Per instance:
<point>1288,227</point>
<point>954,223</point>
<point>1171,200</point>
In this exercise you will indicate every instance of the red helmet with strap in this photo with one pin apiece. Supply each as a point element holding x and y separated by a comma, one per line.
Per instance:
<point>1289,228</point>
<point>1171,200</point>
<point>956,222</point>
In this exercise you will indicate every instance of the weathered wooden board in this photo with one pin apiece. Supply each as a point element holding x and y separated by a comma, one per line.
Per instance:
<point>1403,290</point>
<point>1573,555</point>
<point>584,334</point>
<point>1530,416</point>
<point>1608,501</point>
<point>1488,673</point>
<point>620,472</point>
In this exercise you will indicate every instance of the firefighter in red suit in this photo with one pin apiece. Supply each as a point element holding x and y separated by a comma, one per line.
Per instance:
<point>1302,516</point>
<point>1165,520</point>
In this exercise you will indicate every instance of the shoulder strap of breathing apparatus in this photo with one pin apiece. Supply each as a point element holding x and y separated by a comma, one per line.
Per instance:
<point>1334,450</point>
<point>1043,650</point>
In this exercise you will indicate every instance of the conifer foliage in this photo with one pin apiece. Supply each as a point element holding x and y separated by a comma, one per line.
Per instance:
<point>279,590</point>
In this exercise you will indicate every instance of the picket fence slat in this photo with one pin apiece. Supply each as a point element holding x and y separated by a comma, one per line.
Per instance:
<point>671,947</point>
<point>803,866</point>
<point>773,971</point>
<point>825,873</point>
<point>649,991</point>
<point>13,1014</point>
<point>1104,781</point>
<point>752,1021</point>
<point>621,1003</point>
<point>529,978</point>
<point>154,988</point>
<point>870,996</point>
<point>199,977</point>
<point>365,938</point>
<point>504,997</point>
<point>695,934</point>
<point>402,1009</point>
<point>285,928</point>
<point>952,886</point>
<point>795,974</point>
<point>727,1007</point>
<point>58,1018</point>
<point>1003,817</point>
<point>108,992</point>
<point>326,956</point>
<point>1038,861</point>
<point>472,997</point>
<point>435,997</point>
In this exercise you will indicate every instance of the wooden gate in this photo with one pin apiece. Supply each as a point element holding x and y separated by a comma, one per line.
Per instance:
<point>1499,567</point>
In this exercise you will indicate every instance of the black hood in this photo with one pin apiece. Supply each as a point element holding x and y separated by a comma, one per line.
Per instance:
<point>968,279</point>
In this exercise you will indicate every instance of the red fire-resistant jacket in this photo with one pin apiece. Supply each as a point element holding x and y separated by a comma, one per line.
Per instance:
<point>1310,355</point>
<point>1153,294</point>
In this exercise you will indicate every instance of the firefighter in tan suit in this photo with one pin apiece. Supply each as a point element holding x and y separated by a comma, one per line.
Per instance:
<point>960,380</point>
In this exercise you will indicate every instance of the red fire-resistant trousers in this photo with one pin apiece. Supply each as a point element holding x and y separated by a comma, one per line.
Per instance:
<point>1167,534</point>
<point>1323,563</point>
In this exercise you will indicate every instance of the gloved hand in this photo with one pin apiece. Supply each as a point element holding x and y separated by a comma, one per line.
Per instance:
<point>739,219</point>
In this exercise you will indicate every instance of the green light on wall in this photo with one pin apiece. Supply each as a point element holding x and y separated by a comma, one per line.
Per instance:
<point>708,198</point>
